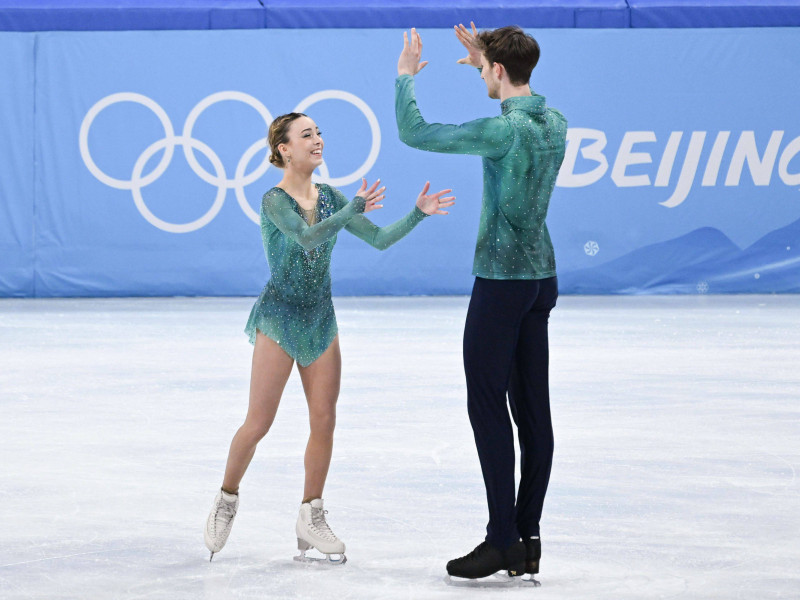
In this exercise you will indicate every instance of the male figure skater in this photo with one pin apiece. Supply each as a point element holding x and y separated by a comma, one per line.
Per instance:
<point>505,335</point>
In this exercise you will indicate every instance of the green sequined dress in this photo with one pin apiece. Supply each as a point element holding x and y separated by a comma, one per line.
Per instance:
<point>295,307</point>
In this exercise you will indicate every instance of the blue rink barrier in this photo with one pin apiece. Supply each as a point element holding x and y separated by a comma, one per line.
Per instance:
<point>133,163</point>
<point>719,13</point>
<point>444,13</point>
<point>122,15</point>
<point>16,166</point>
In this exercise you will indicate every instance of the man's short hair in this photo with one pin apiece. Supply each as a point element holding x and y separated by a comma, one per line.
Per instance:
<point>510,46</point>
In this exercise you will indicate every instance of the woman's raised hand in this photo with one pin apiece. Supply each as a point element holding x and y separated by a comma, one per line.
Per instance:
<point>371,194</point>
<point>432,204</point>
<point>467,38</point>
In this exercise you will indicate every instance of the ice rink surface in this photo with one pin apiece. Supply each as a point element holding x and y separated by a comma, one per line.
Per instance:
<point>677,423</point>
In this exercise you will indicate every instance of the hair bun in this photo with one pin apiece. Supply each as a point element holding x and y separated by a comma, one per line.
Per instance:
<point>275,159</point>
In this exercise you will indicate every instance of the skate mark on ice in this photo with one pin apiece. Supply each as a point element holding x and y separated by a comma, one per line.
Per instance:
<point>402,522</point>
<point>380,516</point>
<point>436,453</point>
<point>28,562</point>
<point>780,459</point>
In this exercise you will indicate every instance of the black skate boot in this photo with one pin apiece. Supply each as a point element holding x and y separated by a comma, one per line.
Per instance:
<point>487,560</point>
<point>533,553</point>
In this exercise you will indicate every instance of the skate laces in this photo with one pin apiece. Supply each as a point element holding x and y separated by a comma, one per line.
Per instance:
<point>320,525</point>
<point>226,510</point>
<point>476,552</point>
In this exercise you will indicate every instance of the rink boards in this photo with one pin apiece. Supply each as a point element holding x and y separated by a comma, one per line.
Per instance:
<point>133,163</point>
<point>124,15</point>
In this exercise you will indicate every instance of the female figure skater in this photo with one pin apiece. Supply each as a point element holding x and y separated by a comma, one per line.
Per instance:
<point>293,318</point>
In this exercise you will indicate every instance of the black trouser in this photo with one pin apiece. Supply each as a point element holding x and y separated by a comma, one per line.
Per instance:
<point>506,352</point>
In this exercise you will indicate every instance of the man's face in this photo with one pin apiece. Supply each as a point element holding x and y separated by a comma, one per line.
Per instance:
<point>488,76</point>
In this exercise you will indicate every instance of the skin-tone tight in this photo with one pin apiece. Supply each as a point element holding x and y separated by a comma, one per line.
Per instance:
<point>270,372</point>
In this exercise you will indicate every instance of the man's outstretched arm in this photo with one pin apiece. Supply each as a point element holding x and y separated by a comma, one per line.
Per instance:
<point>484,137</point>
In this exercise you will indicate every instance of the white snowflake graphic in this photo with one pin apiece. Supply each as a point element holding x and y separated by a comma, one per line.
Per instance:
<point>702,287</point>
<point>591,248</point>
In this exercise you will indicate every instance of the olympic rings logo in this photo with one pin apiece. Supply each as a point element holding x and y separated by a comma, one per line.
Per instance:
<point>219,178</point>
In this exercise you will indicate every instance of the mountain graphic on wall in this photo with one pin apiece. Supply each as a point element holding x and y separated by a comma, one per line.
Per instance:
<point>702,261</point>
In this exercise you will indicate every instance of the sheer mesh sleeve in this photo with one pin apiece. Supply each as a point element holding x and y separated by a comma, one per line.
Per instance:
<point>380,237</point>
<point>277,208</point>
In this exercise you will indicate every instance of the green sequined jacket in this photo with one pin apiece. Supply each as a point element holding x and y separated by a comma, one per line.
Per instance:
<point>522,150</point>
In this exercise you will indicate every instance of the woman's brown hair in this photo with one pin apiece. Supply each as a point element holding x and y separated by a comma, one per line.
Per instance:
<point>279,134</point>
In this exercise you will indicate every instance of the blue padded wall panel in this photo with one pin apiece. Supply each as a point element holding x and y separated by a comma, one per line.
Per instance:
<point>486,13</point>
<point>602,18</point>
<point>721,13</point>
<point>121,15</point>
<point>17,163</point>
<point>249,16</point>
<point>115,15</point>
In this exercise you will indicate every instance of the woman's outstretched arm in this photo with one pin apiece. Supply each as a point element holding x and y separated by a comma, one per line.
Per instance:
<point>276,206</point>
<point>383,237</point>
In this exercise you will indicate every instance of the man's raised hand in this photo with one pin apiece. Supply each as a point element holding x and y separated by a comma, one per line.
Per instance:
<point>467,38</point>
<point>409,61</point>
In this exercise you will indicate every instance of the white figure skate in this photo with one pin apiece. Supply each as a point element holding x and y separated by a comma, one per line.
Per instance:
<point>313,532</point>
<point>220,521</point>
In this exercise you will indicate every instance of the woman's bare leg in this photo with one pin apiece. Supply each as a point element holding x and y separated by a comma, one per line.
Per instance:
<point>321,381</point>
<point>270,372</point>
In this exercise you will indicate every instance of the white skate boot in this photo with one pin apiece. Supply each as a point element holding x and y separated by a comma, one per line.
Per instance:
<point>313,532</point>
<point>220,521</point>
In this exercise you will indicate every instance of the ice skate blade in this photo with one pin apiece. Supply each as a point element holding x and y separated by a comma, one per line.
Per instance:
<point>501,579</point>
<point>529,580</point>
<point>327,561</point>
